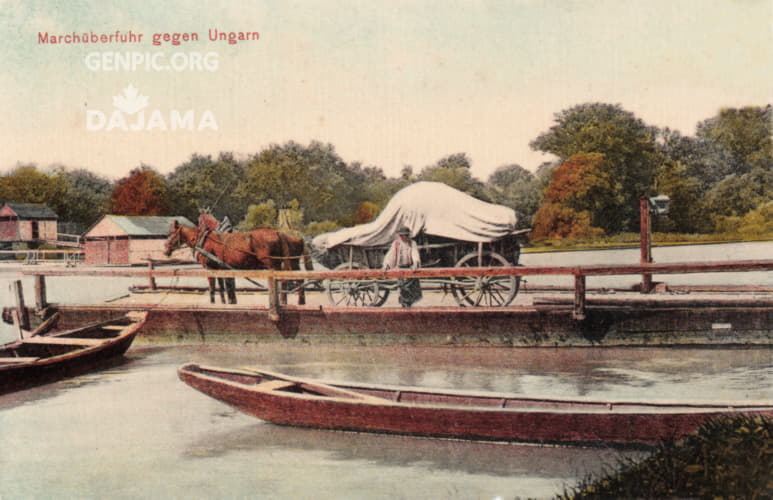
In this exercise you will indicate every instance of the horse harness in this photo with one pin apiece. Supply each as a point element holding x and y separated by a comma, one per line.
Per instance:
<point>204,235</point>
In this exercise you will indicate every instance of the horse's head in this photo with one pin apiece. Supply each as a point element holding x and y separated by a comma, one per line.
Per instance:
<point>175,239</point>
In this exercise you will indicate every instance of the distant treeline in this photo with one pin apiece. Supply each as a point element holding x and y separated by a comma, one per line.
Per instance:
<point>719,180</point>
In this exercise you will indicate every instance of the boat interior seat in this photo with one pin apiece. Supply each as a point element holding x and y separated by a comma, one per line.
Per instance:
<point>62,341</point>
<point>18,359</point>
<point>275,385</point>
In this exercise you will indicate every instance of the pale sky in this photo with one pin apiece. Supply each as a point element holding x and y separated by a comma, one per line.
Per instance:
<point>389,84</point>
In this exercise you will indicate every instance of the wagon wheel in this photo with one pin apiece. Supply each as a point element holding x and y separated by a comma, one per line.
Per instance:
<point>487,291</point>
<point>347,292</point>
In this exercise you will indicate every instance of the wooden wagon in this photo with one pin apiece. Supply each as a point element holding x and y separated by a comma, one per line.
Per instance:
<point>451,229</point>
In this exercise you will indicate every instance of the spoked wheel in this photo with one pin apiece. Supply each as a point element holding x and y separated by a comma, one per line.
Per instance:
<point>355,293</point>
<point>485,291</point>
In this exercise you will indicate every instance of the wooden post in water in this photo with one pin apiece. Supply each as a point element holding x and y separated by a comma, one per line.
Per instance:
<point>151,278</point>
<point>21,313</point>
<point>274,309</point>
<point>41,301</point>
<point>645,241</point>
<point>578,312</point>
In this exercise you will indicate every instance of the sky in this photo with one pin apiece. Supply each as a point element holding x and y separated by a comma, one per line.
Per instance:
<point>389,84</point>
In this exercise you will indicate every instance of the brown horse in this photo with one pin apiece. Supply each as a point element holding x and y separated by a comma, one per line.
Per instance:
<point>293,249</point>
<point>262,248</point>
<point>288,258</point>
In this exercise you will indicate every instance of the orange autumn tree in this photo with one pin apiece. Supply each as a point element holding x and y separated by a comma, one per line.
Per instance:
<point>580,193</point>
<point>142,192</point>
<point>366,212</point>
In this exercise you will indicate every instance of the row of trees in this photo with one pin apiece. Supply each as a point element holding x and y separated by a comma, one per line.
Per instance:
<point>606,159</point>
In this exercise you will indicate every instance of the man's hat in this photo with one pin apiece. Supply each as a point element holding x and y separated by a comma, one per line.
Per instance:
<point>404,230</point>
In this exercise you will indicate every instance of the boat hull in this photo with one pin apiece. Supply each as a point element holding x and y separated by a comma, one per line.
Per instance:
<point>15,377</point>
<point>547,422</point>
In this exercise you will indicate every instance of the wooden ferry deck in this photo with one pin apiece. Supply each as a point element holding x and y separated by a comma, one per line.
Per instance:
<point>723,315</point>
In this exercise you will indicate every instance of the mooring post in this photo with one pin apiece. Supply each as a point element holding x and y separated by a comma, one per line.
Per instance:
<point>274,308</point>
<point>645,241</point>
<point>579,297</point>
<point>41,301</point>
<point>22,315</point>
<point>151,278</point>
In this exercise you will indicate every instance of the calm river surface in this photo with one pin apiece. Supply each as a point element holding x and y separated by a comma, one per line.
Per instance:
<point>136,431</point>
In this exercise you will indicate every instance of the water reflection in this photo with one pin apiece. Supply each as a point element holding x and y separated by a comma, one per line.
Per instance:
<point>604,373</point>
<point>497,459</point>
<point>138,432</point>
<point>107,369</point>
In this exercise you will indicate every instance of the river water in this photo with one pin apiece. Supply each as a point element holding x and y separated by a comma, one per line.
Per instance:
<point>136,431</point>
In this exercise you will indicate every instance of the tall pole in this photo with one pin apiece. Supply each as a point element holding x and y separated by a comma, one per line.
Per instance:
<point>645,241</point>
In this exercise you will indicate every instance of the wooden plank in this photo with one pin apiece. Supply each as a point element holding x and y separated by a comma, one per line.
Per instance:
<point>113,327</point>
<point>23,314</point>
<point>656,268</point>
<point>41,301</point>
<point>17,359</point>
<point>274,306</point>
<point>62,341</point>
<point>46,325</point>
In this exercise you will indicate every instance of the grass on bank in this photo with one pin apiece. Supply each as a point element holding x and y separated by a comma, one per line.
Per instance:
<point>632,240</point>
<point>726,458</point>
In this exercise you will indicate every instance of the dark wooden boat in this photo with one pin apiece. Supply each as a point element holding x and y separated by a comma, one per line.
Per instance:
<point>45,357</point>
<point>302,402</point>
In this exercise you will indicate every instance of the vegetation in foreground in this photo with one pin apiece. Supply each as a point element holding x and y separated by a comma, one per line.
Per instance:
<point>726,458</point>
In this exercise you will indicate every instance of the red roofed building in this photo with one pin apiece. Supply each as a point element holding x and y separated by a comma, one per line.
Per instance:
<point>27,223</point>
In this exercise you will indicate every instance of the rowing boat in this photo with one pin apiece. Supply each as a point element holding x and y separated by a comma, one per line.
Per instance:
<point>294,401</point>
<point>44,357</point>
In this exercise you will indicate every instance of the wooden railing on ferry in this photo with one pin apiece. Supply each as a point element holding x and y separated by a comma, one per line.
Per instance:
<point>274,278</point>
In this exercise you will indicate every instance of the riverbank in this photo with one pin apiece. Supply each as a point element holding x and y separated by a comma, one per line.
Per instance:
<point>632,240</point>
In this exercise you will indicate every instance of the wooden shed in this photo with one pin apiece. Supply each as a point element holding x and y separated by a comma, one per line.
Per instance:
<point>27,223</point>
<point>127,240</point>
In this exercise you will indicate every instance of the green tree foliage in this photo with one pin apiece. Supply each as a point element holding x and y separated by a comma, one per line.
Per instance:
<point>758,222</point>
<point>746,133</point>
<point>737,194</point>
<point>142,192</point>
<point>543,176</point>
<point>454,170</point>
<point>578,200</point>
<point>517,188</point>
<point>26,184</point>
<point>372,185</point>
<point>260,215</point>
<point>687,212</point>
<point>746,137</point>
<point>203,183</point>
<point>315,228</point>
<point>706,162</point>
<point>314,175</point>
<point>625,141</point>
<point>87,197</point>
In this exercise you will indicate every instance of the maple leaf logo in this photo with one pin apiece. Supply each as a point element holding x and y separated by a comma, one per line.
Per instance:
<point>131,101</point>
